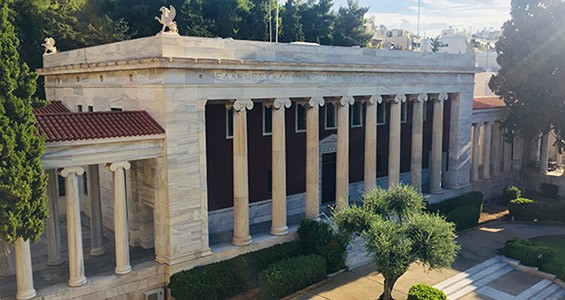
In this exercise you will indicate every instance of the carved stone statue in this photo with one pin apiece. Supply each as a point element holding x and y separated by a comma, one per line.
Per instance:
<point>166,19</point>
<point>49,44</point>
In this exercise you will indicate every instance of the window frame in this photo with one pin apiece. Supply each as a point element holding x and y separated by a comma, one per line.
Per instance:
<point>326,127</point>
<point>351,114</point>
<point>79,108</point>
<point>296,129</point>
<point>265,108</point>
<point>90,108</point>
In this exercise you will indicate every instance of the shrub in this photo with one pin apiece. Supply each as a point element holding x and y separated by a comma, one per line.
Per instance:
<point>510,193</point>
<point>319,238</point>
<point>230,277</point>
<point>290,275</point>
<point>524,251</point>
<point>464,217</point>
<point>523,209</point>
<point>464,210</point>
<point>549,190</point>
<point>425,292</point>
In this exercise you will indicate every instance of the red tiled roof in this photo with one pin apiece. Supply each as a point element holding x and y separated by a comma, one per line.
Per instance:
<point>488,102</point>
<point>58,127</point>
<point>52,108</point>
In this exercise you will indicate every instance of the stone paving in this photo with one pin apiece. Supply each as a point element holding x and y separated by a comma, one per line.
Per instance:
<point>478,245</point>
<point>46,276</point>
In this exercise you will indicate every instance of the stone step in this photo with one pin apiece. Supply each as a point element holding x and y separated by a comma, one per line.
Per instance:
<point>474,277</point>
<point>547,291</point>
<point>475,284</point>
<point>468,272</point>
<point>558,295</point>
<point>534,290</point>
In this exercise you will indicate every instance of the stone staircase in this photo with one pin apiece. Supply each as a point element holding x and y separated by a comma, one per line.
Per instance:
<point>478,277</point>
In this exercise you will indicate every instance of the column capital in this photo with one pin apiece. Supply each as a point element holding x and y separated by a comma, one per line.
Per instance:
<point>71,170</point>
<point>346,101</point>
<point>118,165</point>
<point>279,103</point>
<point>316,101</point>
<point>440,97</point>
<point>398,98</point>
<point>370,100</point>
<point>241,104</point>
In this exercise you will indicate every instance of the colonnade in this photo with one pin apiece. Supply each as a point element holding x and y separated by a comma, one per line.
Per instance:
<point>240,107</point>
<point>23,264</point>
<point>491,155</point>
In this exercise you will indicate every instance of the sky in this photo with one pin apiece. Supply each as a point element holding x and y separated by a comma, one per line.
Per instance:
<point>436,15</point>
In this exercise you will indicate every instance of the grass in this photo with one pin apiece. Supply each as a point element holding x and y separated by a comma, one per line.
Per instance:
<point>556,265</point>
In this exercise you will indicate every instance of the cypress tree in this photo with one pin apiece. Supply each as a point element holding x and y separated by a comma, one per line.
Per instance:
<point>22,180</point>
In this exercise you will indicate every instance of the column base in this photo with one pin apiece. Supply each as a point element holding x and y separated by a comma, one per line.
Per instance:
<point>436,190</point>
<point>97,251</point>
<point>26,295</point>
<point>279,230</point>
<point>77,282</point>
<point>55,261</point>
<point>242,241</point>
<point>122,270</point>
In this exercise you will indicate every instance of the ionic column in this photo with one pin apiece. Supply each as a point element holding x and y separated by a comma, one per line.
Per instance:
<point>437,144</point>
<point>96,237</point>
<point>475,153</point>
<point>342,161</point>
<point>518,151</point>
<point>371,142</point>
<point>7,260</point>
<point>544,157</point>
<point>394,141</point>
<point>24,272</point>
<point>279,226</point>
<point>417,140</point>
<point>241,235</point>
<point>487,137</point>
<point>536,149</point>
<point>74,233</point>
<point>120,217</point>
<point>496,151</point>
<point>507,158</point>
<point>54,257</point>
<point>312,157</point>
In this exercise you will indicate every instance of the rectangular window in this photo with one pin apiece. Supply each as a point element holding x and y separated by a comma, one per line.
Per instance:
<point>79,108</point>
<point>267,120</point>
<point>403,112</point>
<point>381,113</point>
<point>300,118</point>
<point>61,185</point>
<point>425,108</point>
<point>331,116</point>
<point>229,123</point>
<point>90,108</point>
<point>357,114</point>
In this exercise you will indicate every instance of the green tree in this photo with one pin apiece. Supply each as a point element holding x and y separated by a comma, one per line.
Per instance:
<point>398,233</point>
<point>531,55</point>
<point>349,28</point>
<point>22,180</point>
<point>317,21</point>
<point>291,23</point>
<point>436,44</point>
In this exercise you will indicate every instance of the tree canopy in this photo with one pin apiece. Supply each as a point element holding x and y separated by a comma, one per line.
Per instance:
<point>22,180</point>
<point>398,233</point>
<point>531,79</point>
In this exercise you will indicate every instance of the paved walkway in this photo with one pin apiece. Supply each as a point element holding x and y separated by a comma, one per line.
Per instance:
<point>478,245</point>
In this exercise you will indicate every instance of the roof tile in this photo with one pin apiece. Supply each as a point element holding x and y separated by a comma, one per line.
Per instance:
<point>488,102</point>
<point>52,108</point>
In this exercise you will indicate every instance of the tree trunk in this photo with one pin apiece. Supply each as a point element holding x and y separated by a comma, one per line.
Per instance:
<point>527,144</point>
<point>388,286</point>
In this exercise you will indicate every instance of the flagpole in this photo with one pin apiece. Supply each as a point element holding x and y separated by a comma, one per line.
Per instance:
<point>277,23</point>
<point>418,26</point>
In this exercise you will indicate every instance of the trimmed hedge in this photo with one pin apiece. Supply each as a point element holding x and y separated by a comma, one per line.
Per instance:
<point>425,292</point>
<point>510,193</point>
<point>464,210</point>
<point>230,277</point>
<point>291,275</point>
<point>524,251</point>
<point>319,238</point>
<point>523,209</point>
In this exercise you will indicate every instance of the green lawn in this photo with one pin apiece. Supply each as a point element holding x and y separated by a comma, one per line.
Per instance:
<point>556,265</point>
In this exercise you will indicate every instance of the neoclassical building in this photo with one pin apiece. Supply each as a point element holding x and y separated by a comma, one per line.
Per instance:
<point>170,152</point>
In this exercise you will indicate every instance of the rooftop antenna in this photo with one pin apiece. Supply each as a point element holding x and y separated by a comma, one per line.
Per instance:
<point>418,26</point>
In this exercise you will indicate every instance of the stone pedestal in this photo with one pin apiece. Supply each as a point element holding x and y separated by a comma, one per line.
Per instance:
<point>417,141</point>
<point>241,235</point>
<point>342,161</point>
<point>96,236</point>
<point>24,272</point>
<point>279,226</point>
<point>54,257</point>
<point>120,217</point>
<point>74,233</point>
<point>394,141</point>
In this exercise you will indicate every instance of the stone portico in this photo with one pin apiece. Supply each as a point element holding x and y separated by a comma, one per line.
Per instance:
<point>152,190</point>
